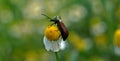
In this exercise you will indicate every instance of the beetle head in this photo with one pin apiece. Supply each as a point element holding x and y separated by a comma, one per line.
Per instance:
<point>56,19</point>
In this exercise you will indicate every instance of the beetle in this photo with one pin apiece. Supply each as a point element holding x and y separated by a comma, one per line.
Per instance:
<point>60,25</point>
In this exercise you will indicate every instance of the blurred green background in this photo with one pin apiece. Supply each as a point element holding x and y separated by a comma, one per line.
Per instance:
<point>91,24</point>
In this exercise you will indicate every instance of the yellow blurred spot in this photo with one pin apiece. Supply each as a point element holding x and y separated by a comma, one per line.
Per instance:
<point>117,38</point>
<point>31,56</point>
<point>101,40</point>
<point>77,42</point>
<point>52,33</point>
<point>96,58</point>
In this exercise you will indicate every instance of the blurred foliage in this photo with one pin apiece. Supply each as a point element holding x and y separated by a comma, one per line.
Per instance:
<point>91,23</point>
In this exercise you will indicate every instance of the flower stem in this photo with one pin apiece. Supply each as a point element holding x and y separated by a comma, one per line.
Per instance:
<point>56,55</point>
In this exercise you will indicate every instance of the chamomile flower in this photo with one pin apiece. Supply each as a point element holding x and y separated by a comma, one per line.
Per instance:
<point>52,39</point>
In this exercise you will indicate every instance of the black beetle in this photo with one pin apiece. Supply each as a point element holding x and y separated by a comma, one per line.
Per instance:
<point>60,25</point>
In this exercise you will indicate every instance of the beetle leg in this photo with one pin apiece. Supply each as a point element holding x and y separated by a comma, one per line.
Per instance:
<point>52,24</point>
<point>59,36</point>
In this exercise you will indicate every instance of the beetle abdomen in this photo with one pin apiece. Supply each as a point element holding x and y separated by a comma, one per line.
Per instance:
<point>63,30</point>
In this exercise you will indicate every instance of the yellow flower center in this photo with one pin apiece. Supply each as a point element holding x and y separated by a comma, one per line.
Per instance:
<point>52,33</point>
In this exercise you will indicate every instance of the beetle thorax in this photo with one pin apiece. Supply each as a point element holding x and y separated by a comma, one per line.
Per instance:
<point>56,19</point>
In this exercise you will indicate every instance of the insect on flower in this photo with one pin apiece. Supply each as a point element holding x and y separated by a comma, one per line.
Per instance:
<point>55,34</point>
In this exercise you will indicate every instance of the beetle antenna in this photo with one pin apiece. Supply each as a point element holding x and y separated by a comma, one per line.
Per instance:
<point>46,16</point>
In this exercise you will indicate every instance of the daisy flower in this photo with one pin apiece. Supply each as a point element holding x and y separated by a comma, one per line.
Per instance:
<point>52,39</point>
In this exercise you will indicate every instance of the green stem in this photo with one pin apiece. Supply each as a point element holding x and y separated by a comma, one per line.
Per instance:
<point>56,55</point>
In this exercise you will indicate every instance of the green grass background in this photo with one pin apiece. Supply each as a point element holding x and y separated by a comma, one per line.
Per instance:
<point>91,24</point>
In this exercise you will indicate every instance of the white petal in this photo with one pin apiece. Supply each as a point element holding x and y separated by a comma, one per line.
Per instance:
<point>48,44</point>
<point>55,46</point>
<point>62,45</point>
